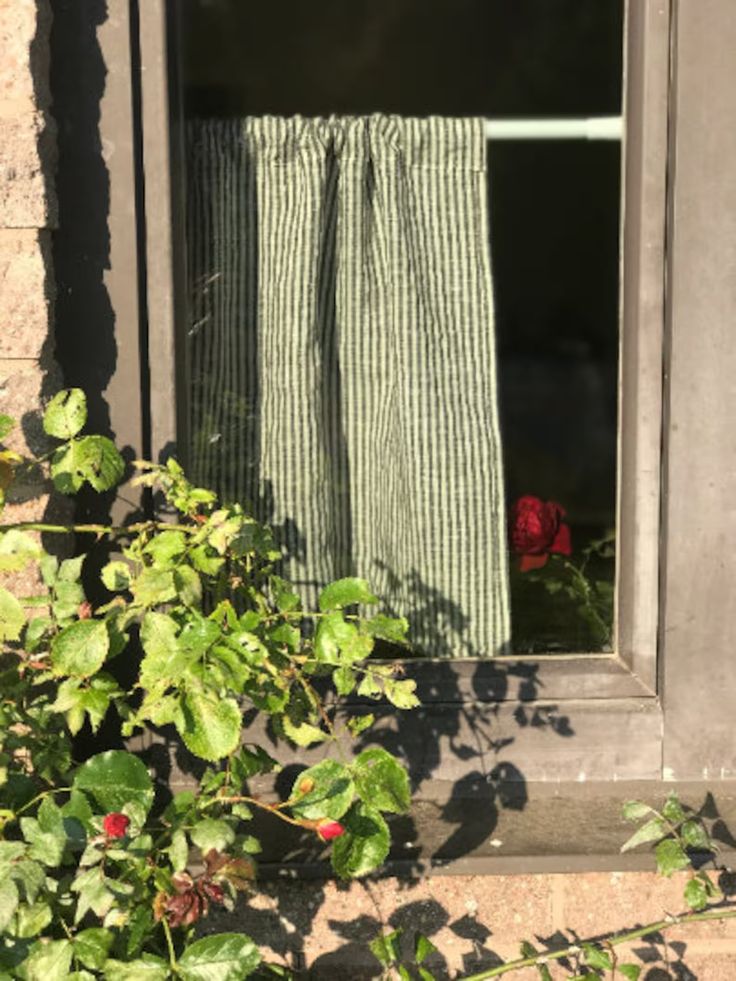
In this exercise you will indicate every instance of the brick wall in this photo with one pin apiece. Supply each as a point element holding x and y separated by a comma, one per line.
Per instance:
<point>27,219</point>
<point>472,919</point>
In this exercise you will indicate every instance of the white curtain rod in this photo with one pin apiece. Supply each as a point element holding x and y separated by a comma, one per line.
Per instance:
<point>594,128</point>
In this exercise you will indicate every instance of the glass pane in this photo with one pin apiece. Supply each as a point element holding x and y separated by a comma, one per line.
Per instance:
<point>554,244</point>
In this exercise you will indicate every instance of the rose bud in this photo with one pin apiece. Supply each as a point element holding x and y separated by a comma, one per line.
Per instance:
<point>537,530</point>
<point>115,825</point>
<point>327,829</point>
<point>84,611</point>
<point>212,890</point>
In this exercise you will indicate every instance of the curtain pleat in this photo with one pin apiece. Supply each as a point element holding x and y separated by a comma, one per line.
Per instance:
<point>342,358</point>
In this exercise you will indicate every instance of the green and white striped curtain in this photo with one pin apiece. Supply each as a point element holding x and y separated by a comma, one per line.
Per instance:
<point>342,358</point>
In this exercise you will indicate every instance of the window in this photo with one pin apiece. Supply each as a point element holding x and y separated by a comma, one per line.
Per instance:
<point>549,734</point>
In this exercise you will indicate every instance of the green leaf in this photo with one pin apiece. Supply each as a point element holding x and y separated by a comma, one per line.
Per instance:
<point>9,899</point>
<point>391,629</point>
<point>344,680</point>
<point>345,592</point>
<point>114,779</point>
<point>695,836</point>
<point>247,762</point>
<point>671,857</point>
<point>364,845</point>
<point>166,546</point>
<point>382,781</point>
<point>303,734</point>
<point>423,948</point>
<point>651,831</point>
<point>153,586</point>
<point>164,660</point>
<point>221,957</point>
<point>178,851</point>
<point>188,586</point>
<point>7,424</point>
<point>92,946</point>
<point>330,793</point>
<point>17,549</point>
<point>116,576</point>
<point>696,894</point>
<point>12,617</point>
<point>401,693</point>
<point>211,833</point>
<point>49,962</point>
<point>210,726</point>
<point>635,810</point>
<point>65,414</point>
<point>147,968</point>
<point>336,641</point>
<point>45,834</point>
<point>672,810</point>
<point>359,723</point>
<point>80,649</point>
<point>92,458</point>
<point>597,958</point>
<point>630,971</point>
<point>386,948</point>
<point>31,920</point>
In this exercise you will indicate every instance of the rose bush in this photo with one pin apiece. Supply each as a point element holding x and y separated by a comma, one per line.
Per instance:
<point>101,872</point>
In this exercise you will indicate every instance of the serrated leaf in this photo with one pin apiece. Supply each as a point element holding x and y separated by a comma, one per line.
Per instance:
<point>31,920</point>
<point>671,857</point>
<point>630,971</point>
<point>209,726</point>
<point>695,836</point>
<point>212,833</point>
<point>17,549</point>
<point>364,845</point>
<point>344,680</point>
<point>65,414</point>
<point>359,723</point>
<point>147,968</point>
<point>178,851</point>
<point>93,459</point>
<point>303,734</point>
<point>116,576</point>
<point>401,693</point>
<point>386,948</point>
<point>651,831</point>
<point>221,957</point>
<point>423,948</point>
<point>188,586</point>
<point>114,779</point>
<point>635,810</point>
<point>12,616</point>
<point>337,641</point>
<point>672,810</point>
<point>597,958</point>
<point>80,649</point>
<point>345,592</point>
<point>382,781</point>
<point>391,629</point>
<point>92,946</point>
<point>49,962</point>
<point>163,659</point>
<point>153,586</point>
<point>9,900</point>
<point>696,894</point>
<point>330,793</point>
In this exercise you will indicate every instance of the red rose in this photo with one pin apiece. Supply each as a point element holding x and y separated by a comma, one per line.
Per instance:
<point>537,529</point>
<point>115,825</point>
<point>327,830</point>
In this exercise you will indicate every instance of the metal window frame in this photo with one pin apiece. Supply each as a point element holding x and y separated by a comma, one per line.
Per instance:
<point>645,716</point>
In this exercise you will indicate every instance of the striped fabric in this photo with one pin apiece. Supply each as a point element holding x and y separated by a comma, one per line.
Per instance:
<point>342,358</point>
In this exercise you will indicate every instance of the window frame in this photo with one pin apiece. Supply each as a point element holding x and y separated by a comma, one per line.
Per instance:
<point>636,716</point>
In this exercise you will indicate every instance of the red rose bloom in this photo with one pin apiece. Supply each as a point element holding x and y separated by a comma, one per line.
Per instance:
<point>115,825</point>
<point>327,830</point>
<point>537,530</point>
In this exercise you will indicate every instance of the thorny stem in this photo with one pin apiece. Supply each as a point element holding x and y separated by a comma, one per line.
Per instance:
<point>573,949</point>
<point>242,799</point>
<point>114,531</point>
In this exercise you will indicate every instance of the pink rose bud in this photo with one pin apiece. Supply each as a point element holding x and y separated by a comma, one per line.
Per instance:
<point>115,825</point>
<point>327,830</point>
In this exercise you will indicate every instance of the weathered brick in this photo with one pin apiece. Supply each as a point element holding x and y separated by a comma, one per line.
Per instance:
<point>25,287</point>
<point>27,160</point>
